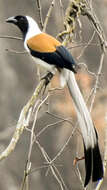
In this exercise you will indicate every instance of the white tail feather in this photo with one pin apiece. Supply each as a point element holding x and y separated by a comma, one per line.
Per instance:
<point>64,75</point>
<point>93,162</point>
<point>84,118</point>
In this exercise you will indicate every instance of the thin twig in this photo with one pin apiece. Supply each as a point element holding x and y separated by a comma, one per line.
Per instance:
<point>84,44</point>
<point>52,167</point>
<point>33,127</point>
<point>105,157</point>
<point>62,10</point>
<point>89,42</point>
<point>88,71</point>
<point>32,140</point>
<point>97,80</point>
<point>11,37</point>
<point>80,177</point>
<point>40,12</point>
<point>16,52</point>
<point>23,121</point>
<point>48,126</point>
<point>92,17</point>
<point>64,146</point>
<point>48,15</point>
<point>60,117</point>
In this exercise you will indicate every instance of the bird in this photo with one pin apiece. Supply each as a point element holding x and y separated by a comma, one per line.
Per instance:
<point>45,49</point>
<point>52,55</point>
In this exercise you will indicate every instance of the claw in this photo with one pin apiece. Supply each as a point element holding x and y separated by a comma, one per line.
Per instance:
<point>77,159</point>
<point>47,78</point>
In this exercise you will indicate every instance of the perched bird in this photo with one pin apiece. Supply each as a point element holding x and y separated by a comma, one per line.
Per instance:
<point>51,54</point>
<point>46,50</point>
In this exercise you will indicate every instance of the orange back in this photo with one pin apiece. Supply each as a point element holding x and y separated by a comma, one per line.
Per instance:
<point>43,43</point>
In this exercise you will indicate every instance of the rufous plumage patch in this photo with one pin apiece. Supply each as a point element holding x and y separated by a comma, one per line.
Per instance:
<point>43,43</point>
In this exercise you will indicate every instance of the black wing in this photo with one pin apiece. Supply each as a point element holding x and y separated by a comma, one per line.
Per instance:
<point>69,62</point>
<point>61,58</point>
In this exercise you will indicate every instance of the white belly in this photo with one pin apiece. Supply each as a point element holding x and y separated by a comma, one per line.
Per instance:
<point>42,63</point>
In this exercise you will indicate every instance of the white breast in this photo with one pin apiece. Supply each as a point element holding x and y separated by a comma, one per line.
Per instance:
<point>48,67</point>
<point>33,30</point>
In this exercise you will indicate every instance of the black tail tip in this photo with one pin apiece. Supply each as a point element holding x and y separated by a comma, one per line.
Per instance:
<point>98,172</point>
<point>93,164</point>
<point>88,165</point>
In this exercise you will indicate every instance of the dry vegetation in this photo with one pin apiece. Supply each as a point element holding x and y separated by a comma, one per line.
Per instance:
<point>46,138</point>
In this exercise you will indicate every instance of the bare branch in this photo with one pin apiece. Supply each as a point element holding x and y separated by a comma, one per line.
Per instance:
<point>73,12</point>
<point>40,12</point>
<point>48,15</point>
<point>11,37</point>
<point>15,51</point>
<point>52,167</point>
<point>65,144</point>
<point>89,42</point>
<point>23,119</point>
<point>97,80</point>
<point>105,158</point>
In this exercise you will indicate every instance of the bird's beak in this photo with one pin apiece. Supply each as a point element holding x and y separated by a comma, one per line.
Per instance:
<point>11,20</point>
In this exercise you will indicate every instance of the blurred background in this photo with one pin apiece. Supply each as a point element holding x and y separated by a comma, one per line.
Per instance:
<point>18,79</point>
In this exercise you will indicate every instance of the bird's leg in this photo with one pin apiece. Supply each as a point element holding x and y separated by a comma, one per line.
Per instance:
<point>78,159</point>
<point>47,77</point>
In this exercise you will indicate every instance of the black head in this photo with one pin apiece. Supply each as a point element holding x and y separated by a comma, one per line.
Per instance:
<point>21,22</point>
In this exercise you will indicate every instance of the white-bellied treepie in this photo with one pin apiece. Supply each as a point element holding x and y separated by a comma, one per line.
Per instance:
<point>51,54</point>
<point>46,50</point>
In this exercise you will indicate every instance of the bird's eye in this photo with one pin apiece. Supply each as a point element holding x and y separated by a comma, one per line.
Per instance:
<point>22,19</point>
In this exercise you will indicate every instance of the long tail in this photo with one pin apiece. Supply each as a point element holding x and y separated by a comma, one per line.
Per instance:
<point>93,162</point>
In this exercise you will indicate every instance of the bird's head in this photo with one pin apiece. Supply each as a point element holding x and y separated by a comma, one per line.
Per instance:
<point>20,21</point>
<point>26,24</point>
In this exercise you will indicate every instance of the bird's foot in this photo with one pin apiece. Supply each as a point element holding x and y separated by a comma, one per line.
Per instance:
<point>47,77</point>
<point>77,159</point>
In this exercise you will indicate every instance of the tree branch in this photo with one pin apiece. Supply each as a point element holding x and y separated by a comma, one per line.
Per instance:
<point>24,117</point>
